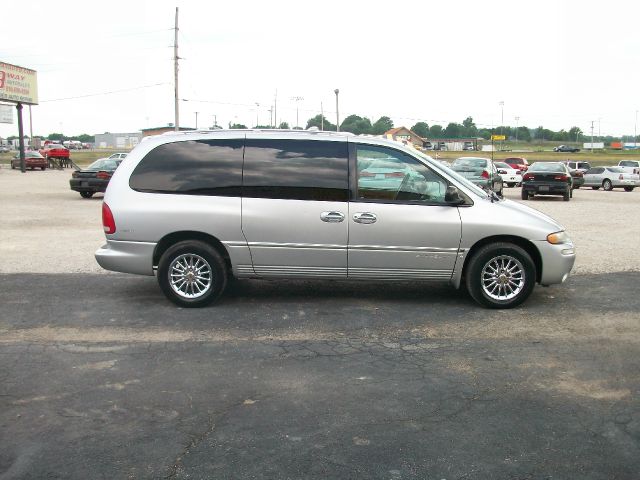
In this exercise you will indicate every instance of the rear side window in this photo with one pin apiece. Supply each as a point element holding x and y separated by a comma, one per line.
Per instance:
<point>296,170</point>
<point>203,167</point>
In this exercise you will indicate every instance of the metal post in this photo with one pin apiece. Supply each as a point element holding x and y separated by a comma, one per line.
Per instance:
<point>196,120</point>
<point>21,135</point>
<point>257,113</point>
<point>321,117</point>
<point>337,91</point>
<point>175,75</point>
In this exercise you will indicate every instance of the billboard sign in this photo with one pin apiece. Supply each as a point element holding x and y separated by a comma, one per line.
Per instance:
<point>498,137</point>
<point>6,113</point>
<point>17,84</point>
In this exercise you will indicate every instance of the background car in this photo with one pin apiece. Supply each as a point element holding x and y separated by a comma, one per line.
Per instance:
<point>611,177</point>
<point>519,163</point>
<point>32,160</point>
<point>580,166</point>
<point>480,171</point>
<point>578,178</point>
<point>566,149</point>
<point>547,178</point>
<point>94,178</point>
<point>511,176</point>
<point>4,149</point>
<point>117,156</point>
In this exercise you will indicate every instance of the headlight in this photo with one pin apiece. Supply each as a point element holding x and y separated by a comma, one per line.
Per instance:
<point>558,238</point>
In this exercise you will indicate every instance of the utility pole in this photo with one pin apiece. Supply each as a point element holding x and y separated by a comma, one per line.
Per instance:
<point>197,120</point>
<point>337,91</point>
<point>175,74</point>
<point>321,117</point>
<point>257,112</point>
<point>591,136</point>
<point>297,100</point>
<point>275,110</point>
<point>270,116</point>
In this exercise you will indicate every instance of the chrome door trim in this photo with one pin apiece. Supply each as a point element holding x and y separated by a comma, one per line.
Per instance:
<point>365,217</point>
<point>332,217</point>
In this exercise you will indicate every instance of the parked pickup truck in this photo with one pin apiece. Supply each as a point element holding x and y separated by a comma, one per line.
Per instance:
<point>566,149</point>
<point>630,166</point>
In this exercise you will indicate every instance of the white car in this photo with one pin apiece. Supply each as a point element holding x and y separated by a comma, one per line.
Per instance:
<point>512,177</point>
<point>611,177</point>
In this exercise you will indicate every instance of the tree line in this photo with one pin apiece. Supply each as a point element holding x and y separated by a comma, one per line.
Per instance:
<point>467,129</point>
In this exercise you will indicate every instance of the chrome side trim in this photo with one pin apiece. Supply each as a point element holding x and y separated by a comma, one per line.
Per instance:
<point>243,270</point>
<point>297,245</point>
<point>399,274</point>
<point>291,271</point>
<point>385,248</point>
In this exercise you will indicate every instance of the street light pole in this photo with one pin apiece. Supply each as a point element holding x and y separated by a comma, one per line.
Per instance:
<point>196,120</point>
<point>297,99</point>
<point>337,91</point>
<point>257,112</point>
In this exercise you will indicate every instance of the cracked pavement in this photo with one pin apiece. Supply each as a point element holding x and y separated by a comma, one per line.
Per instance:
<point>100,377</point>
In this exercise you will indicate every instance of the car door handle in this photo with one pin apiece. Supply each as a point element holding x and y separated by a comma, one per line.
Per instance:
<point>365,217</point>
<point>332,217</point>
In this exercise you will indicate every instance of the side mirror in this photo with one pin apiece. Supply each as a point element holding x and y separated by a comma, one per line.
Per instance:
<point>452,196</point>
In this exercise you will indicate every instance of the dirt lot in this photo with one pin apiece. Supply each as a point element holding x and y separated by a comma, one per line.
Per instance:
<point>47,228</point>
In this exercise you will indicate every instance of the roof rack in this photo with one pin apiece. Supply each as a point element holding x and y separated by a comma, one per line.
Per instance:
<point>312,130</point>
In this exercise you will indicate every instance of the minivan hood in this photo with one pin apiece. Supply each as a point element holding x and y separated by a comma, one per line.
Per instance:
<point>528,211</point>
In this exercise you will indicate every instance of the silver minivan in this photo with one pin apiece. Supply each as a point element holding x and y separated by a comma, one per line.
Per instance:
<point>196,208</point>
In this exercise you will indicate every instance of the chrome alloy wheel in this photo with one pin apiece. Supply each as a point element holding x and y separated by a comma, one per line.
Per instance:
<point>190,276</point>
<point>503,278</point>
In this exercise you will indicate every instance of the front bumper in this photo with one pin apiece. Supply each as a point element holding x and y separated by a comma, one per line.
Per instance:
<point>126,257</point>
<point>557,261</point>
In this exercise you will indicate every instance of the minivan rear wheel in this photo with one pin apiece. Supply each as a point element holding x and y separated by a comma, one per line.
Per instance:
<point>500,275</point>
<point>192,274</point>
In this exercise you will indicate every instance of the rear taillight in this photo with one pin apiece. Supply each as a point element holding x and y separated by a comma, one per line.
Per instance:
<point>108,221</point>
<point>485,174</point>
<point>528,176</point>
<point>103,175</point>
<point>560,177</point>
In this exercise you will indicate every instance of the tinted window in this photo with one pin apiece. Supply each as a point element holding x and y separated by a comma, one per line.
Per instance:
<point>389,175</point>
<point>204,167</point>
<point>296,170</point>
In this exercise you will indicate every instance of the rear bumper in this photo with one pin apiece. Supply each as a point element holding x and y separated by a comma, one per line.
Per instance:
<point>88,185</point>
<point>126,257</point>
<point>545,189</point>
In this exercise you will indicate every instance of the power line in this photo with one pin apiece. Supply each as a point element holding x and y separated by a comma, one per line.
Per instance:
<point>105,93</point>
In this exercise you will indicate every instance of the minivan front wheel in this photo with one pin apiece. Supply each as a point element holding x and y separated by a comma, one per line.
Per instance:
<point>500,275</point>
<point>192,274</point>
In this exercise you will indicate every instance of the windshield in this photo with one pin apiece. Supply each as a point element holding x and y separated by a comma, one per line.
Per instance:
<point>546,167</point>
<point>455,175</point>
<point>469,162</point>
<point>103,164</point>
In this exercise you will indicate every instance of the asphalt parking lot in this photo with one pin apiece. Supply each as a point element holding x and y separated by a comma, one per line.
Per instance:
<point>100,377</point>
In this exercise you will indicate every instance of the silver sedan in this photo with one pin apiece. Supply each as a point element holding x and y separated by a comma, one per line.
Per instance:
<point>609,178</point>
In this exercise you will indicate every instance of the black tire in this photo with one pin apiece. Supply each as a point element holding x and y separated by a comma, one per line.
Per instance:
<point>86,194</point>
<point>607,185</point>
<point>629,189</point>
<point>595,188</point>
<point>524,194</point>
<point>13,166</point>
<point>567,195</point>
<point>190,254</point>
<point>571,192</point>
<point>42,168</point>
<point>482,275</point>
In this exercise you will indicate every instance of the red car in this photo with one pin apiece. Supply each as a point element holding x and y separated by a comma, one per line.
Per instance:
<point>32,160</point>
<point>519,163</point>
<point>54,150</point>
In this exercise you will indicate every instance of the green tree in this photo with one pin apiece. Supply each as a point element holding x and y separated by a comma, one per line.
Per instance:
<point>237,125</point>
<point>454,130</point>
<point>283,126</point>
<point>436,131</point>
<point>421,129</point>
<point>317,121</point>
<point>470,129</point>
<point>575,134</point>
<point>382,125</point>
<point>56,137</point>
<point>356,124</point>
<point>524,134</point>
<point>85,138</point>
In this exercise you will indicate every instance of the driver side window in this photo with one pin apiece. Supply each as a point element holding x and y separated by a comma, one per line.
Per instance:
<point>389,175</point>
